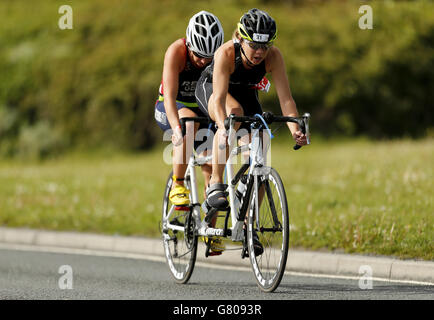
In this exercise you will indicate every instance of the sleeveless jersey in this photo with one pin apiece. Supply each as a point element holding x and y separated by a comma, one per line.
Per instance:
<point>241,77</point>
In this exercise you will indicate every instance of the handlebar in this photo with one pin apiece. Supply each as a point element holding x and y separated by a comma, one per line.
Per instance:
<point>269,118</point>
<point>201,120</point>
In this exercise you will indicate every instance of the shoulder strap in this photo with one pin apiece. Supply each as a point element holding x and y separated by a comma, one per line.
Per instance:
<point>188,63</point>
<point>237,47</point>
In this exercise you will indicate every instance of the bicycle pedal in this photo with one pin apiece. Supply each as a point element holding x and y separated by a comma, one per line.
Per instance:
<point>182,208</point>
<point>212,253</point>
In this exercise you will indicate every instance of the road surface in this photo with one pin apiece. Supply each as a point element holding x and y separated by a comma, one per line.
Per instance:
<point>29,273</point>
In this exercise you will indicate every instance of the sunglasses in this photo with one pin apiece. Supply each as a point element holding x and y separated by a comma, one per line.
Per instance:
<point>200,56</point>
<point>256,46</point>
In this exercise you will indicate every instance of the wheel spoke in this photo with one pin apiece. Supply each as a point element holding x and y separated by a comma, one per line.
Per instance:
<point>180,245</point>
<point>272,230</point>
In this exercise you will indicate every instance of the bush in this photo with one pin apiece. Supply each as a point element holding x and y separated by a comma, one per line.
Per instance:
<point>39,141</point>
<point>96,84</point>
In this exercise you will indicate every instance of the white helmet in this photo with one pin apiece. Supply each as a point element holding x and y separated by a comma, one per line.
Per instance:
<point>204,34</point>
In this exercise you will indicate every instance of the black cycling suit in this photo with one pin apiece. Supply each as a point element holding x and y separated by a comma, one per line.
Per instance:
<point>241,85</point>
<point>185,97</point>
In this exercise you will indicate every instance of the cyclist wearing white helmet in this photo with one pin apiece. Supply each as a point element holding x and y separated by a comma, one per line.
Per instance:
<point>184,61</point>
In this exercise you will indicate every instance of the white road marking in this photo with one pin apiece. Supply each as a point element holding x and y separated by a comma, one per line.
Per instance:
<point>139,256</point>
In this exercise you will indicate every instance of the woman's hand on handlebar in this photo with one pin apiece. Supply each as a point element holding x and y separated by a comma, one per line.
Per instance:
<point>300,138</point>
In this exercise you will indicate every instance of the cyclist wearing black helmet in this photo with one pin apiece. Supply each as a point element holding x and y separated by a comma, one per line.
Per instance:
<point>230,84</point>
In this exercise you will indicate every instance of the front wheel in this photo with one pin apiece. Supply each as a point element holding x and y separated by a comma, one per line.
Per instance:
<point>269,225</point>
<point>179,238</point>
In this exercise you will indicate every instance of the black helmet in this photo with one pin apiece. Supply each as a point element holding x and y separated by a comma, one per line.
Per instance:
<point>257,26</point>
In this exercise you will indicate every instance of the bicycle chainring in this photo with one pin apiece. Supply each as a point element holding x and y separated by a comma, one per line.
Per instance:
<point>189,230</point>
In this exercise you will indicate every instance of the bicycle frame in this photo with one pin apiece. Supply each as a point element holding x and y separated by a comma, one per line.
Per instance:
<point>257,167</point>
<point>257,162</point>
<point>260,235</point>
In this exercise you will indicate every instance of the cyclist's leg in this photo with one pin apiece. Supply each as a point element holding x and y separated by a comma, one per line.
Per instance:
<point>220,156</point>
<point>204,134</point>
<point>205,100</point>
<point>206,171</point>
<point>239,102</point>
<point>217,246</point>
<point>182,153</point>
<point>216,195</point>
<point>188,147</point>
<point>179,194</point>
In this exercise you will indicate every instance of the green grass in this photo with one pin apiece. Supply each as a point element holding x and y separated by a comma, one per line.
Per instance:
<point>351,196</point>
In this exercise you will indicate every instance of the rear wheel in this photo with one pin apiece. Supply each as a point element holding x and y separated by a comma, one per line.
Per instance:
<point>179,238</point>
<point>271,226</point>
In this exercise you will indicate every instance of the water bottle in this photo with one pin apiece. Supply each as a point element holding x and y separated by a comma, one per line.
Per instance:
<point>237,202</point>
<point>205,208</point>
<point>239,192</point>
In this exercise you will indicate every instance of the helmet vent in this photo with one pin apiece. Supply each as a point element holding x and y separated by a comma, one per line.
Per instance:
<point>204,33</point>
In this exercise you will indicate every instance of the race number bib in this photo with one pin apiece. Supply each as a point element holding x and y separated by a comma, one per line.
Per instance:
<point>263,85</point>
<point>259,37</point>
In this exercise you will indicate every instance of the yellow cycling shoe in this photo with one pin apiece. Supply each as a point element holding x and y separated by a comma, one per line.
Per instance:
<point>179,196</point>
<point>216,246</point>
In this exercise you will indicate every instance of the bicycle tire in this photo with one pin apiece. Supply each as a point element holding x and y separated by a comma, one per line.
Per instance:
<point>180,247</point>
<point>272,231</point>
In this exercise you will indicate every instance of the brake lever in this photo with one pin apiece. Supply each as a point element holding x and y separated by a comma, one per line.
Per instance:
<point>227,124</point>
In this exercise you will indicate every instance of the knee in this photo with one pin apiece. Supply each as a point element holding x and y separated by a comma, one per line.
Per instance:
<point>236,110</point>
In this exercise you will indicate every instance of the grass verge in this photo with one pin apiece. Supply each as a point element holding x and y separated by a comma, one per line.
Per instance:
<point>352,196</point>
